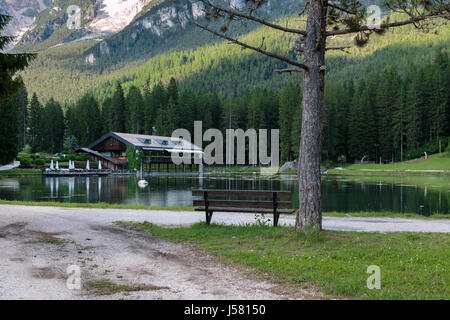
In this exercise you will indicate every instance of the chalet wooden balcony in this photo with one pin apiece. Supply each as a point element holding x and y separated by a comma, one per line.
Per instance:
<point>157,160</point>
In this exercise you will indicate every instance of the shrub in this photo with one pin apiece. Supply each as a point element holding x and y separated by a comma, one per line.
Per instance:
<point>39,162</point>
<point>25,162</point>
<point>27,149</point>
<point>82,157</point>
<point>430,148</point>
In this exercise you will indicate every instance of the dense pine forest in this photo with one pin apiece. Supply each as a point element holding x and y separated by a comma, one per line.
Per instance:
<point>384,116</point>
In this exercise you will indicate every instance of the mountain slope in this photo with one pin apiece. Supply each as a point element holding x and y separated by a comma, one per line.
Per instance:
<point>22,14</point>
<point>64,74</point>
<point>167,25</point>
<point>40,24</point>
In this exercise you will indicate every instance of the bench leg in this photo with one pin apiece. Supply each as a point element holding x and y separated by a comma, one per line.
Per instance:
<point>276,216</point>
<point>208,217</point>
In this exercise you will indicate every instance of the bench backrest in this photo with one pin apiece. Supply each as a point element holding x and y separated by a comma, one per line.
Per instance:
<point>274,197</point>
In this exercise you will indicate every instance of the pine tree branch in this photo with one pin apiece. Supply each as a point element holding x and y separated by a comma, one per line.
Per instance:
<point>387,25</point>
<point>233,13</point>
<point>288,70</point>
<point>267,53</point>
<point>341,9</point>
<point>338,48</point>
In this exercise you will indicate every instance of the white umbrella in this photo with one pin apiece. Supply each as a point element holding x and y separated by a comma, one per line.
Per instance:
<point>99,165</point>
<point>57,165</point>
<point>51,165</point>
<point>87,165</point>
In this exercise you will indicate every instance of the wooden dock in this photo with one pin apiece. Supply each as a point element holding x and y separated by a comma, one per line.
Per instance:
<point>75,172</point>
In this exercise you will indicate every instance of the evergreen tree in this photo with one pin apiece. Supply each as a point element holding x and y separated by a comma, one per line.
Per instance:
<point>88,110</point>
<point>52,127</point>
<point>35,123</point>
<point>118,109</point>
<point>385,100</point>
<point>154,101</point>
<point>296,131</point>
<point>172,90</point>
<point>399,120</point>
<point>368,120</point>
<point>437,113</point>
<point>21,100</point>
<point>413,123</point>
<point>290,100</point>
<point>10,64</point>
<point>9,128</point>
<point>186,103</point>
<point>107,115</point>
<point>135,106</point>
<point>71,144</point>
<point>356,143</point>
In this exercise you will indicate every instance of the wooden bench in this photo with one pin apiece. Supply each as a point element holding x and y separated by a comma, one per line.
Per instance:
<point>274,205</point>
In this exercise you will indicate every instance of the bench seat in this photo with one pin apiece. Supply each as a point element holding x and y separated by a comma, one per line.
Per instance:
<point>209,204</point>
<point>245,210</point>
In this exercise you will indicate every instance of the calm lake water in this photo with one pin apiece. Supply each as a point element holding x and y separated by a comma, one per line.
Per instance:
<point>423,195</point>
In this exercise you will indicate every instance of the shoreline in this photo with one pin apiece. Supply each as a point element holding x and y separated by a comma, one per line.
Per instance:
<point>290,172</point>
<point>106,206</point>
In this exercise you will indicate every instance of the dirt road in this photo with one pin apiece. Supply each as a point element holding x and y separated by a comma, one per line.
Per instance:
<point>38,244</point>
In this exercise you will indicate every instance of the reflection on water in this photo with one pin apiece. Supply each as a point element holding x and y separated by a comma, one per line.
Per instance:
<point>339,194</point>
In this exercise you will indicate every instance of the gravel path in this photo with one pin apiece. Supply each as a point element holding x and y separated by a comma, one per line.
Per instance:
<point>37,244</point>
<point>13,165</point>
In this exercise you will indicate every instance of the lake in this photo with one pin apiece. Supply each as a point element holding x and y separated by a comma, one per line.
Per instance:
<point>411,194</point>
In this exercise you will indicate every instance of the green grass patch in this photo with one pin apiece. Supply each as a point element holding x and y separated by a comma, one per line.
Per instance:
<point>435,164</point>
<point>387,214</point>
<point>97,205</point>
<point>413,265</point>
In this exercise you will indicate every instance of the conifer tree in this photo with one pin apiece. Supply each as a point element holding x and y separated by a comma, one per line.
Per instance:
<point>10,64</point>
<point>118,109</point>
<point>35,123</point>
<point>135,107</point>
<point>289,99</point>
<point>9,127</point>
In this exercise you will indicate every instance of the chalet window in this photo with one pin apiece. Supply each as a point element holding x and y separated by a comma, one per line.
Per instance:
<point>145,141</point>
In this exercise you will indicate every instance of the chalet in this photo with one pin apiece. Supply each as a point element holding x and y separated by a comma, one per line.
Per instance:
<point>111,148</point>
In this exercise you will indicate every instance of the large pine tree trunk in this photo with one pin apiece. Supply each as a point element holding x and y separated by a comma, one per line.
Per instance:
<point>310,205</point>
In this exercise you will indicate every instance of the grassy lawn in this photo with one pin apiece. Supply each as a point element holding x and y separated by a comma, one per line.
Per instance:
<point>413,266</point>
<point>97,205</point>
<point>387,214</point>
<point>435,164</point>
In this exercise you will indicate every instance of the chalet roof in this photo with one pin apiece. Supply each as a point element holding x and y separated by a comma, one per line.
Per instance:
<point>99,155</point>
<point>147,142</point>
